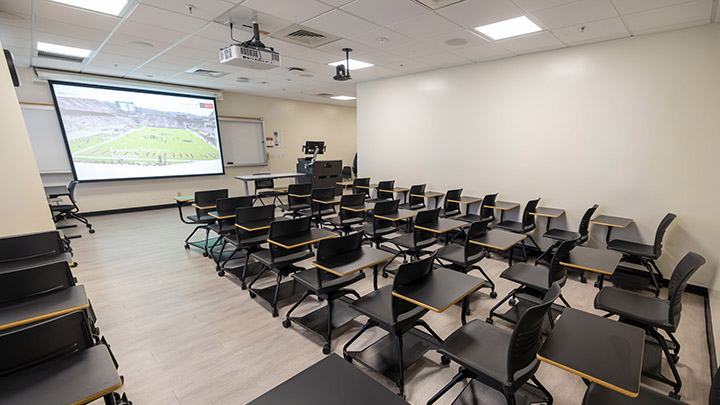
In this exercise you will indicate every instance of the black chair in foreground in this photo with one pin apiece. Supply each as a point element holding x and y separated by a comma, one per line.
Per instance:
<point>599,395</point>
<point>266,188</point>
<point>465,258</point>
<point>326,285</point>
<point>451,209</point>
<point>396,316</point>
<point>205,201</point>
<point>414,202</point>
<point>379,228</point>
<point>299,198</point>
<point>502,360</point>
<point>416,242</point>
<point>224,226</point>
<point>57,361</point>
<point>655,314</point>
<point>347,219</point>
<point>247,238</point>
<point>527,224</point>
<point>67,211</point>
<point>643,254</point>
<point>534,283</point>
<point>33,250</point>
<point>360,186</point>
<point>280,260</point>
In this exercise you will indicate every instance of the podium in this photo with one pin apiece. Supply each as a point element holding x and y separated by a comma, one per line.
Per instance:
<point>321,173</point>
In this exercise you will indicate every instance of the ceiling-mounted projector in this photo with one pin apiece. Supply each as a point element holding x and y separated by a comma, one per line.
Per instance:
<point>251,54</point>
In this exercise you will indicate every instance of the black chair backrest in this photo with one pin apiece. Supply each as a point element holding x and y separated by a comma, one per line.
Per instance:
<point>487,212</point>
<point>528,220</point>
<point>385,185</point>
<point>585,224</point>
<point>248,214</point>
<point>473,251</point>
<point>384,207</point>
<point>71,190</point>
<point>347,172</point>
<point>715,389</point>
<point>339,245</point>
<point>657,246</point>
<point>42,341</point>
<point>558,271</point>
<point>417,189</point>
<point>26,283</point>
<point>350,200</point>
<point>363,181</point>
<point>452,195</point>
<point>278,229</point>
<point>409,273</point>
<point>208,198</point>
<point>526,337</point>
<point>299,195</point>
<point>323,193</point>
<point>425,217</point>
<point>227,206</point>
<point>22,247</point>
<point>686,267</point>
<point>262,184</point>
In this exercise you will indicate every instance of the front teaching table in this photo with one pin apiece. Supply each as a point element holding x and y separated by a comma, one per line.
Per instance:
<point>269,176</point>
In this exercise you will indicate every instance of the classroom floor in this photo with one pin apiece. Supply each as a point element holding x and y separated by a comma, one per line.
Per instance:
<point>183,335</point>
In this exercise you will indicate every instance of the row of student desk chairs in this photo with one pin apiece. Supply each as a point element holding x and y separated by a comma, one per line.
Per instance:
<point>291,241</point>
<point>52,352</point>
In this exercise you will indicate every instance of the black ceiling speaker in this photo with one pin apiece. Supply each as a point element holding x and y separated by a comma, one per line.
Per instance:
<point>11,67</point>
<point>342,72</point>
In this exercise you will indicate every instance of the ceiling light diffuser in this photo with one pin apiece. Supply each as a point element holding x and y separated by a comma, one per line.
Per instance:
<point>354,64</point>
<point>63,50</point>
<point>509,28</point>
<point>343,98</point>
<point>112,7</point>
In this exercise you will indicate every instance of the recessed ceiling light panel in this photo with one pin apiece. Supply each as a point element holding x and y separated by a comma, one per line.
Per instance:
<point>343,98</point>
<point>63,50</point>
<point>509,28</point>
<point>354,64</point>
<point>112,7</point>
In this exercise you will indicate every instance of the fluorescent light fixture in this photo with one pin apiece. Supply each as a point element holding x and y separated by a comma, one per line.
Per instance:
<point>509,28</point>
<point>112,7</point>
<point>63,50</point>
<point>343,98</point>
<point>354,64</point>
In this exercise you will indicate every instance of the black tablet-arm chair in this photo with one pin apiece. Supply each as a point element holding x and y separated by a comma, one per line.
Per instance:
<point>280,260</point>
<point>644,254</point>
<point>416,242</point>
<point>205,201</point>
<point>299,198</point>
<point>382,191</point>
<point>246,239</point>
<point>560,235</point>
<point>226,224</point>
<point>28,251</point>
<point>466,257</point>
<point>347,173</point>
<point>347,219</point>
<point>379,228</point>
<point>57,360</point>
<point>67,211</point>
<point>502,360</point>
<point>527,224</point>
<point>326,285</point>
<point>318,210</point>
<point>451,209</point>
<point>486,212</point>
<point>655,314</point>
<point>535,281</point>
<point>415,203</point>
<point>266,188</point>
<point>363,182</point>
<point>394,315</point>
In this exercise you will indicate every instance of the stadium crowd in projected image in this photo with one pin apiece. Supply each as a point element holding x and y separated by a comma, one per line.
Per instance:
<point>119,134</point>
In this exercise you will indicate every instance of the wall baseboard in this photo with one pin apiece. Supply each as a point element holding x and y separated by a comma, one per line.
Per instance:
<point>127,210</point>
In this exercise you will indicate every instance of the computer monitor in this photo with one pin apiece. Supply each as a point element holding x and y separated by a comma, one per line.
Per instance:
<point>314,147</point>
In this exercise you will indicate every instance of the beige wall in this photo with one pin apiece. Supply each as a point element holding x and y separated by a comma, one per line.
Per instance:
<point>714,293</point>
<point>631,125</point>
<point>298,121</point>
<point>23,203</point>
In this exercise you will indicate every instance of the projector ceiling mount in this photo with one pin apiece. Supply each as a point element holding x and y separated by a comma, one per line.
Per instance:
<point>342,72</point>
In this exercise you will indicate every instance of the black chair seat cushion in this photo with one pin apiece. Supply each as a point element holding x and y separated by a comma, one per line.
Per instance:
<point>377,305</point>
<point>406,241</point>
<point>450,213</point>
<point>529,275</point>
<point>561,234</point>
<point>632,248</point>
<point>347,222</point>
<point>263,257</point>
<point>455,254</point>
<point>598,395</point>
<point>513,226</point>
<point>330,282</point>
<point>221,230</point>
<point>314,213</point>
<point>368,230</point>
<point>469,218</point>
<point>271,193</point>
<point>295,207</point>
<point>377,200</point>
<point>255,240</point>
<point>408,206</point>
<point>647,310</point>
<point>481,348</point>
<point>204,219</point>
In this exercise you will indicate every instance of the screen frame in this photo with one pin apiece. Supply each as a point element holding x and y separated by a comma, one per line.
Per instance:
<point>52,83</point>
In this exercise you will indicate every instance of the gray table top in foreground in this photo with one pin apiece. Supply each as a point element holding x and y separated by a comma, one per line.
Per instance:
<point>548,212</point>
<point>596,260</point>
<point>503,205</point>
<point>440,289</point>
<point>304,238</point>
<point>351,262</point>
<point>499,239</point>
<point>399,215</point>
<point>607,352</point>
<point>44,306</point>
<point>330,381</point>
<point>467,200</point>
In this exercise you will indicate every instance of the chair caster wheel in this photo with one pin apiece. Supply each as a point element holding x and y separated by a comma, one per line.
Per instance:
<point>221,273</point>
<point>326,349</point>
<point>674,395</point>
<point>286,323</point>
<point>583,280</point>
<point>512,302</point>
<point>489,320</point>
<point>187,247</point>
<point>205,254</point>
<point>252,295</point>
<point>275,313</point>
<point>243,287</point>
<point>444,360</point>
<point>348,358</point>
<point>676,358</point>
<point>384,275</point>
<point>493,294</point>
<point>320,299</point>
<point>91,230</point>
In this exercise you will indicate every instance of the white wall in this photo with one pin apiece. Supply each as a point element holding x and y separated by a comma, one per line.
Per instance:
<point>632,125</point>
<point>298,122</point>
<point>23,203</point>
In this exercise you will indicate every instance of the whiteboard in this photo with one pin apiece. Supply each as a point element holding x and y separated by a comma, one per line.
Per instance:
<point>243,142</point>
<point>46,138</point>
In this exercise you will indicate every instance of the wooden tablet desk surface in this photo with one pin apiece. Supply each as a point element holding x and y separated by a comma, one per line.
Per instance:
<point>332,201</point>
<point>467,200</point>
<point>344,183</point>
<point>601,261</point>
<point>607,352</point>
<point>611,222</point>
<point>399,215</point>
<point>500,240</point>
<point>305,238</point>
<point>351,262</point>
<point>259,224</point>
<point>368,187</point>
<point>548,212</point>
<point>44,306</point>
<point>357,208</point>
<point>503,205</point>
<point>442,225</point>
<point>207,207</point>
<point>330,381</point>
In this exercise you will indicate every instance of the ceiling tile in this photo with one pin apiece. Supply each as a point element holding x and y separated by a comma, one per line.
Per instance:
<point>534,5</point>
<point>16,7</point>
<point>484,52</point>
<point>540,41</point>
<point>316,56</point>
<point>336,47</point>
<point>390,39</point>
<point>470,38</point>
<point>340,23</point>
<point>14,32</point>
<point>634,6</point>
<point>150,31</point>
<point>205,9</point>
<point>336,3</point>
<point>681,15</point>
<point>204,44</point>
<point>609,28</point>
<point>413,50</point>
<point>72,15</point>
<point>575,13</point>
<point>107,71</point>
<point>295,10</point>
<point>424,26</point>
<point>218,32</point>
<point>284,48</point>
<point>385,12</point>
<point>22,22</point>
<point>410,66</point>
<point>110,59</point>
<point>160,18</point>
<point>181,51</point>
<point>381,58</point>
<point>444,59</point>
<point>71,30</point>
<point>121,45</point>
<point>54,38</point>
<point>475,13</point>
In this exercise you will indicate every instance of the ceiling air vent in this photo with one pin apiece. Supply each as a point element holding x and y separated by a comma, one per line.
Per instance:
<point>324,95</point>
<point>436,4</point>
<point>206,72</point>
<point>58,56</point>
<point>300,35</point>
